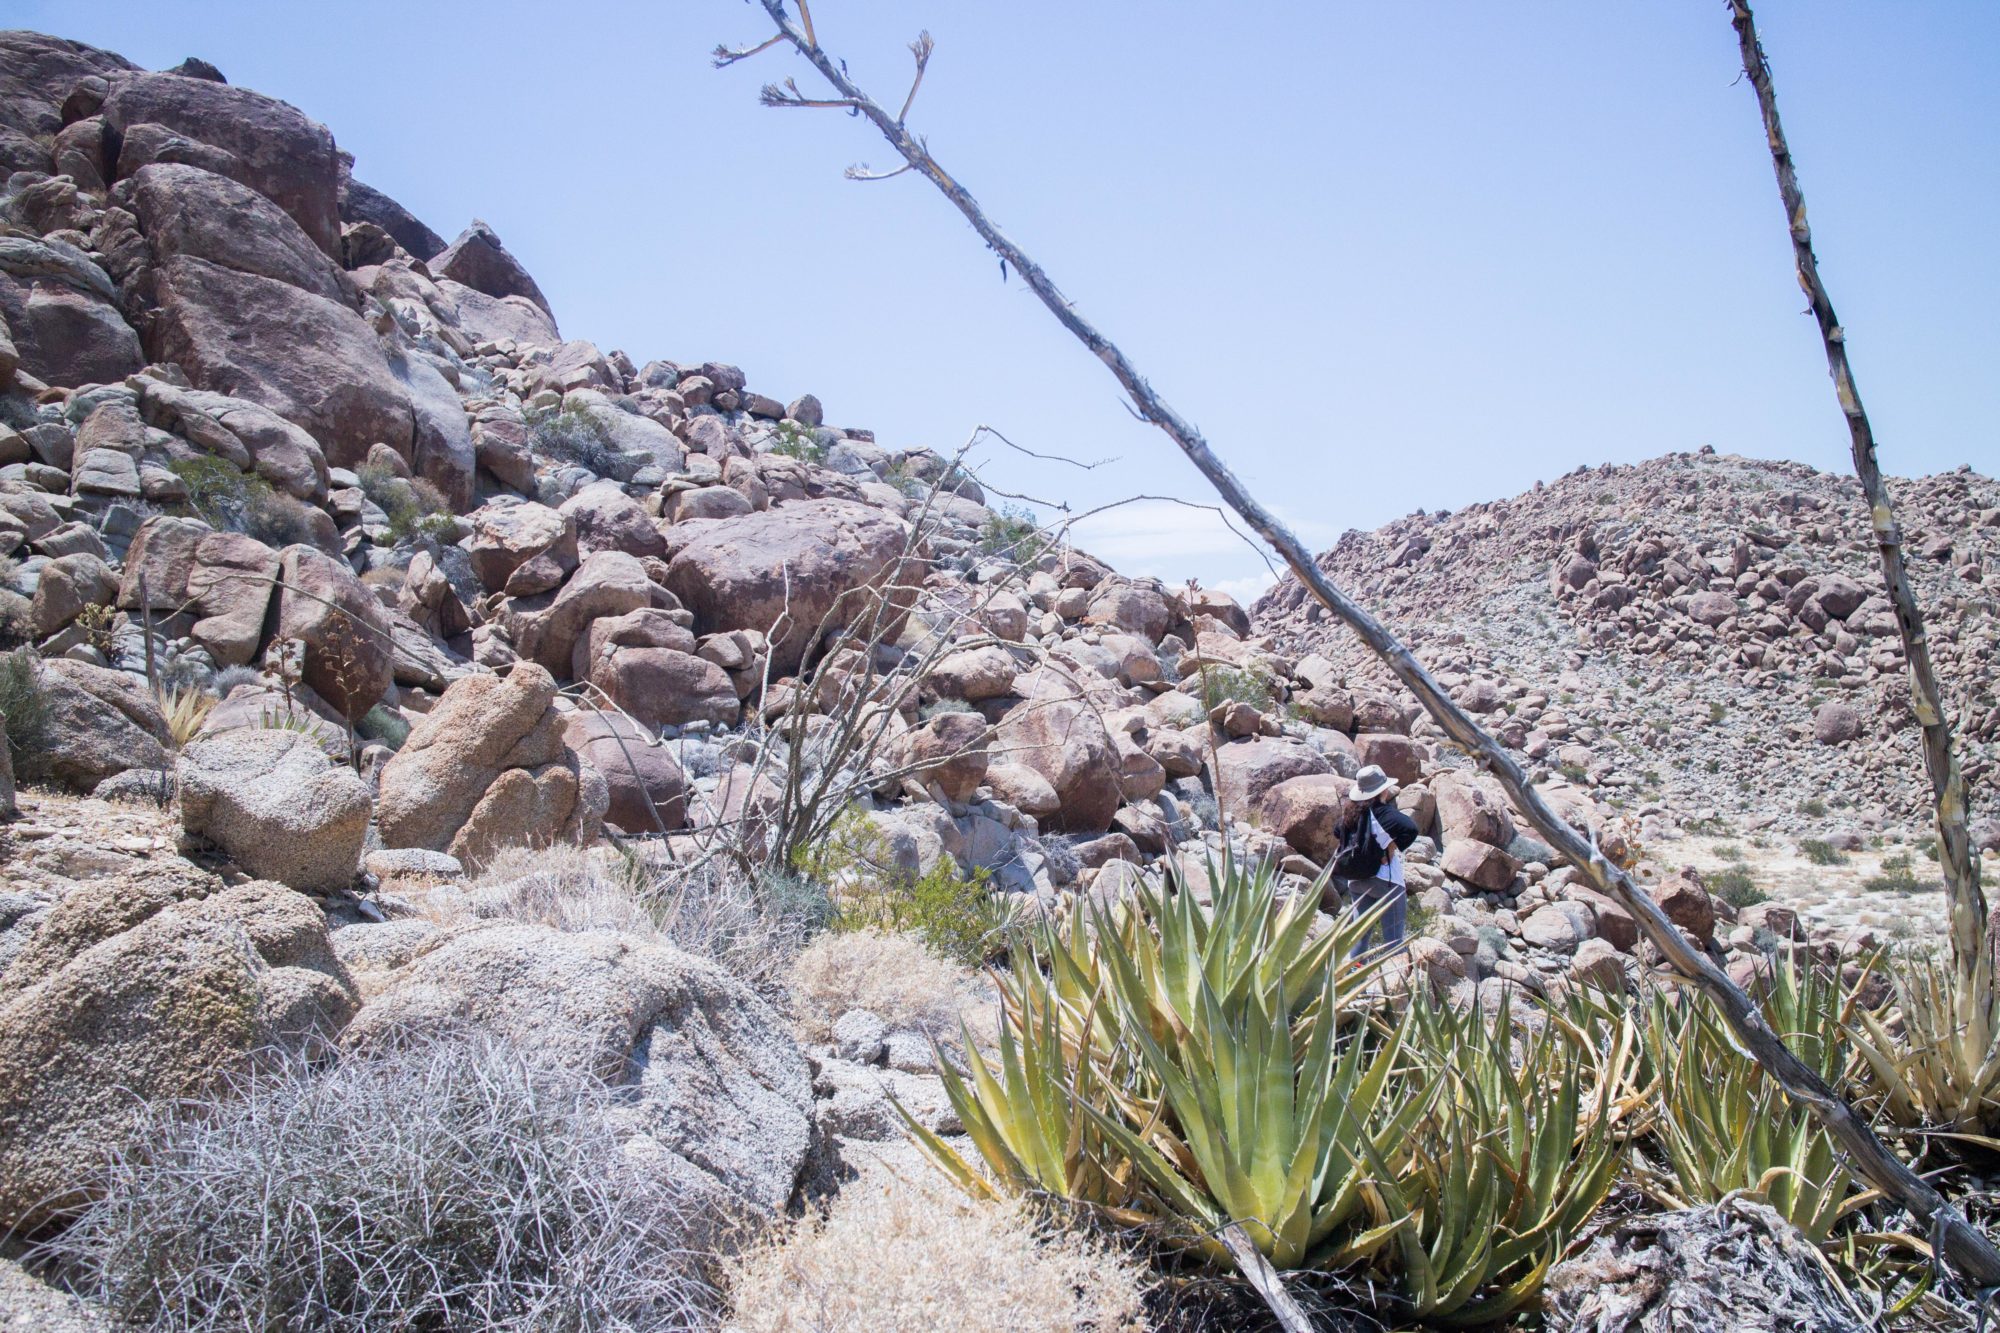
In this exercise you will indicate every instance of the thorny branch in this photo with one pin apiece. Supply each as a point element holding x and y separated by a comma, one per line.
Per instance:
<point>1964,1246</point>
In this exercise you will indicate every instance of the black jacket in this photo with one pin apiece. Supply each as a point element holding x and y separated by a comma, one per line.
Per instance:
<point>1402,830</point>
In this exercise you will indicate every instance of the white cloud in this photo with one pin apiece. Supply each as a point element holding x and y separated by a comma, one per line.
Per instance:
<point>1158,537</point>
<point>1246,589</point>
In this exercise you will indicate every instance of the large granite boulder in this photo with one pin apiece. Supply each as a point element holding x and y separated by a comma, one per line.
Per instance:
<point>254,139</point>
<point>350,654</point>
<point>274,801</point>
<point>125,999</point>
<point>1063,742</point>
<point>100,722</point>
<point>486,768</point>
<point>479,261</point>
<point>720,1097</point>
<point>185,210</point>
<point>636,766</point>
<point>797,572</point>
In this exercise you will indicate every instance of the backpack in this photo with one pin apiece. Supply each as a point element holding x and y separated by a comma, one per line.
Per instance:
<point>1359,855</point>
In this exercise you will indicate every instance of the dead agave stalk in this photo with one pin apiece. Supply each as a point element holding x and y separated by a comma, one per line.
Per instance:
<point>1961,871</point>
<point>1955,1239</point>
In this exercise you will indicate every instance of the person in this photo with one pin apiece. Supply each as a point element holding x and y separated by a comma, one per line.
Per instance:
<point>1370,837</point>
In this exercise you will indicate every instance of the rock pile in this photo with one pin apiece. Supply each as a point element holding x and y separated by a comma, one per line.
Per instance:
<point>1703,637</point>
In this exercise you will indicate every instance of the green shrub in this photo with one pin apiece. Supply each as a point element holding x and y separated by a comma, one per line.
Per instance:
<point>574,437</point>
<point>1822,853</point>
<point>26,705</point>
<point>1226,684</point>
<point>231,500</point>
<point>1898,876</point>
<point>956,914</point>
<point>414,507</point>
<point>796,441</point>
<point>1735,887</point>
<point>1813,807</point>
<point>1717,711</point>
<point>1011,533</point>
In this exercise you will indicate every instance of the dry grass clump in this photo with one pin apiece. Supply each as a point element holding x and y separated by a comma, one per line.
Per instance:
<point>445,1185</point>
<point>895,1255</point>
<point>752,925</point>
<point>895,976</point>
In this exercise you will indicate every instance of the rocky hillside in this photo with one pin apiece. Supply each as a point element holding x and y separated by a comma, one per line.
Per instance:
<point>1699,636</point>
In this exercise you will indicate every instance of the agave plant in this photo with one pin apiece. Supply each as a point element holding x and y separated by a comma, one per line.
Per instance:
<point>1195,1069</point>
<point>1513,1161</point>
<point>185,708</point>
<point>1725,1127</point>
<point>1941,1068</point>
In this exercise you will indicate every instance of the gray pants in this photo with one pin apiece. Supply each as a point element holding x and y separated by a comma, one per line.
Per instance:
<point>1363,896</point>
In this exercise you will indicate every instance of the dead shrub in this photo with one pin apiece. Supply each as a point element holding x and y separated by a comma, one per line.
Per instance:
<point>894,976</point>
<point>446,1185</point>
<point>893,1254</point>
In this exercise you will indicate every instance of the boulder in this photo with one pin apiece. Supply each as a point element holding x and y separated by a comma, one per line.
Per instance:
<point>635,765</point>
<point>1137,608</point>
<point>718,1095</point>
<point>100,722</point>
<point>479,261</point>
<point>1687,904</point>
<point>663,687</point>
<point>131,999</point>
<point>64,334</point>
<point>1304,810</point>
<point>1395,754</point>
<point>364,203</point>
<point>485,318</point>
<point>65,587</point>
<point>160,558</point>
<point>1712,608</point>
<point>1247,769</point>
<point>797,572</point>
<point>974,674</point>
<point>508,536</point>
<point>1467,808</point>
<point>311,360</point>
<point>1840,596</point>
<point>545,628</point>
<point>263,143</point>
<point>1836,723</point>
<point>487,768</point>
<point>277,805</point>
<point>649,627</point>
<point>1064,743</point>
<point>947,753</point>
<point>247,434</point>
<point>350,654</point>
<point>1480,864</point>
<point>184,210</point>
<point>607,519</point>
<point>230,587</point>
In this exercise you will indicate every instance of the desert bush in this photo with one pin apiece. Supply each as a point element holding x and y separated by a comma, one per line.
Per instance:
<point>956,914</point>
<point>574,437</point>
<point>414,507</point>
<point>1227,684</point>
<point>1012,534</point>
<point>753,925</point>
<point>795,441</point>
<point>231,500</point>
<point>1821,852</point>
<point>1897,875</point>
<point>896,1254</point>
<point>451,1185</point>
<point>98,623</point>
<point>895,976</point>
<point>27,709</point>
<point>1734,886</point>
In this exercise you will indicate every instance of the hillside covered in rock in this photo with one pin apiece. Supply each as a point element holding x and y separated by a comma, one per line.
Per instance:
<point>415,711</point>
<point>1701,637</point>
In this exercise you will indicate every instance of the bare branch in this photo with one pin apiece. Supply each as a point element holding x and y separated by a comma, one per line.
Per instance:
<point>790,96</point>
<point>1965,1247</point>
<point>1955,858</point>
<point>921,49</point>
<point>862,173</point>
<point>724,57</point>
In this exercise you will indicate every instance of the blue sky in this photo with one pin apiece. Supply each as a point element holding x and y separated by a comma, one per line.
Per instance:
<point>1388,256</point>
